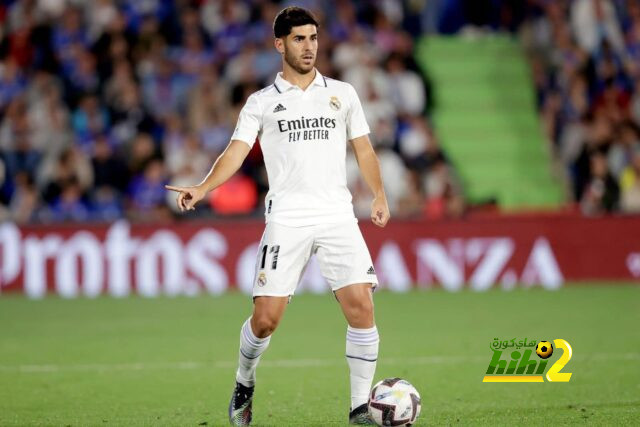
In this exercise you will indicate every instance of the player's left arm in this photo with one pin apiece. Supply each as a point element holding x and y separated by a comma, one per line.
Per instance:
<point>370,169</point>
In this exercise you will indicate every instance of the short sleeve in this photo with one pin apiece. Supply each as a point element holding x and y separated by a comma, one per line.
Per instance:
<point>356,122</point>
<point>249,122</point>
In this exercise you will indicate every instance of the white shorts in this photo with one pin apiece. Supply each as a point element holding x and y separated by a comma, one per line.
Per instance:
<point>284,252</point>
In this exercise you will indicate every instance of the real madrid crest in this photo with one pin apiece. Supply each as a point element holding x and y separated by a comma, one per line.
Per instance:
<point>262,279</point>
<point>334,103</point>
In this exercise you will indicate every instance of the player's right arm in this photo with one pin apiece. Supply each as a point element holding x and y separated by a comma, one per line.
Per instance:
<point>228,163</point>
<point>224,167</point>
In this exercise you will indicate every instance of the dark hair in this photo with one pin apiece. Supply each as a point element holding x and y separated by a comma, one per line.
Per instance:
<point>292,17</point>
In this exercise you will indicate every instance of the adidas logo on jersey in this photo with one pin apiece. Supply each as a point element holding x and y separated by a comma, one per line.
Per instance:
<point>371,270</point>
<point>278,108</point>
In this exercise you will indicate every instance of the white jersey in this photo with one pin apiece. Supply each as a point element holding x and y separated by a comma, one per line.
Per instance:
<point>303,135</point>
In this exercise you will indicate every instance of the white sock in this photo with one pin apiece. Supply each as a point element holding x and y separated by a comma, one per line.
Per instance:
<point>251,347</point>
<point>362,355</point>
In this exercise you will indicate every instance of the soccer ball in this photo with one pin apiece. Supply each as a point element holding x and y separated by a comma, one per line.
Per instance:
<point>544,349</point>
<point>394,402</point>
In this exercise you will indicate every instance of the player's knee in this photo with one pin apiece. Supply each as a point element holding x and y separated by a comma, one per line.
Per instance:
<point>361,311</point>
<point>264,325</point>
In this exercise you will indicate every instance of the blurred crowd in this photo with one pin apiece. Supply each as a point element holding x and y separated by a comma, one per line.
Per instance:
<point>585,57</point>
<point>104,102</point>
<point>585,62</point>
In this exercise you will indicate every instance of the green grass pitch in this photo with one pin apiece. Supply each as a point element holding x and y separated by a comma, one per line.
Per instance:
<point>150,362</point>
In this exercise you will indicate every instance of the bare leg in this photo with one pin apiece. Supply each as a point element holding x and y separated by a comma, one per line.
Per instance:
<point>357,305</point>
<point>267,313</point>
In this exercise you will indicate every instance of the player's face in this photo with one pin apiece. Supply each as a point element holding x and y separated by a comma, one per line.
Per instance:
<point>300,48</point>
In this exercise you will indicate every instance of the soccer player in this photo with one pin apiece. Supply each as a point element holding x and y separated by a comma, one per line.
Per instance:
<point>303,121</point>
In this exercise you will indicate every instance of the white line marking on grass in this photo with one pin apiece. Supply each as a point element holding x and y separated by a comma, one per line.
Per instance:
<point>279,363</point>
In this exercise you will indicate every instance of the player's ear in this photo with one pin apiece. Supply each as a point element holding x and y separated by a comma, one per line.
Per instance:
<point>279,44</point>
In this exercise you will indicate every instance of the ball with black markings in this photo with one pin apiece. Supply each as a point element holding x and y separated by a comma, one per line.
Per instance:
<point>544,349</point>
<point>394,402</point>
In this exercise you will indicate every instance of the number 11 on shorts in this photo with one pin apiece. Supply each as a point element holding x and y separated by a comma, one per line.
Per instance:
<point>274,259</point>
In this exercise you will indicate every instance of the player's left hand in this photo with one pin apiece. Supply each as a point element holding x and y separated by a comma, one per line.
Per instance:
<point>380,211</point>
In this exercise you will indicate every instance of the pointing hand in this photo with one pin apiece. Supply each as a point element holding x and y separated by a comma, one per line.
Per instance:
<point>187,197</point>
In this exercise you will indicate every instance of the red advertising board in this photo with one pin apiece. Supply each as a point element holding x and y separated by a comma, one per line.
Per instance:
<point>120,259</point>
